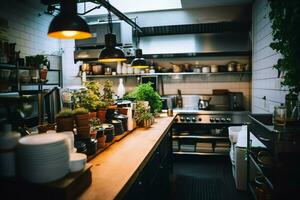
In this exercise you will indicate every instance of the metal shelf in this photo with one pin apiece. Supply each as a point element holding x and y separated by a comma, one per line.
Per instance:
<point>200,153</point>
<point>7,66</point>
<point>198,137</point>
<point>168,74</point>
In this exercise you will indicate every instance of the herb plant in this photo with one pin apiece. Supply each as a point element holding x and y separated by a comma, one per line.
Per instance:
<point>285,18</point>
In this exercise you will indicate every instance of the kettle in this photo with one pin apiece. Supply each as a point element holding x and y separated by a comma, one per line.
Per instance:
<point>203,104</point>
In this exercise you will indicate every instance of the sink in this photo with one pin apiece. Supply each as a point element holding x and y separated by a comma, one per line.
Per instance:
<point>265,119</point>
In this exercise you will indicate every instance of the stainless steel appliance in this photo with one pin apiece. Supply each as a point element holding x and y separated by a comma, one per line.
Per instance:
<point>204,132</point>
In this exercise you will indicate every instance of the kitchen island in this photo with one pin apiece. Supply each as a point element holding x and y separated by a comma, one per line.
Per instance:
<point>116,169</point>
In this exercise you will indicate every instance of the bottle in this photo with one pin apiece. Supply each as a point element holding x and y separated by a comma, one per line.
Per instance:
<point>119,68</point>
<point>43,73</point>
<point>121,89</point>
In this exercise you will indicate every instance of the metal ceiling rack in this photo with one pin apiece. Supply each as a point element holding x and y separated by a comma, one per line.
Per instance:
<point>106,5</point>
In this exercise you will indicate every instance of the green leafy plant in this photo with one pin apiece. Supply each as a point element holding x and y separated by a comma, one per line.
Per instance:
<point>86,99</point>
<point>93,86</point>
<point>145,92</point>
<point>106,98</point>
<point>285,19</point>
<point>80,111</point>
<point>36,61</point>
<point>65,112</point>
<point>142,113</point>
<point>95,123</point>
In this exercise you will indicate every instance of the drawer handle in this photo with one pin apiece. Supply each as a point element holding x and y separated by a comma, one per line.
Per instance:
<point>264,139</point>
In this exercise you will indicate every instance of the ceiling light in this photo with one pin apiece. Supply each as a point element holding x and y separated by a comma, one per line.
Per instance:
<point>139,61</point>
<point>67,24</point>
<point>111,53</point>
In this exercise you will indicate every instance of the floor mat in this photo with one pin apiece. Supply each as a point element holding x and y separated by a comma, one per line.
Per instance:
<point>196,188</point>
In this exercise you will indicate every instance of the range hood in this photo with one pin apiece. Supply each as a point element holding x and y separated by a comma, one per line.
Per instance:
<point>186,41</point>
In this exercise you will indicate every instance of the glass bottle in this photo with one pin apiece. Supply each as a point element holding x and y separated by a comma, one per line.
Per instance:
<point>121,89</point>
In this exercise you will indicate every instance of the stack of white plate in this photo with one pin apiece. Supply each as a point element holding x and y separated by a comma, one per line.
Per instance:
<point>43,158</point>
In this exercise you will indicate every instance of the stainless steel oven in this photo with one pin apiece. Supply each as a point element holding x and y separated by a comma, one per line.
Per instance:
<point>204,132</point>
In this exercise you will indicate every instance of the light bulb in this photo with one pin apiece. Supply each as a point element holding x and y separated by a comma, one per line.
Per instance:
<point>69,33</point>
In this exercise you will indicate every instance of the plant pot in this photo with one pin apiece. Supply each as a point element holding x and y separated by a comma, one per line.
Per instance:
<point>64,124</point>
<point>101,141</point>
<point>93,134</point>
<point>92,115</point>
<point>101,113</point>
<point>84,132</point>
<point>82,120</point>
<point>46,127</point>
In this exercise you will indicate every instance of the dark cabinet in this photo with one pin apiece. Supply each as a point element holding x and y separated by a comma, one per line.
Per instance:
<point>154,179</point>
<point>273,169</point>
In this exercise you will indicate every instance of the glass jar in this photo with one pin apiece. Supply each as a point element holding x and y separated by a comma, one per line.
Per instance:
<point>291,102</point>
<point>279,116</point>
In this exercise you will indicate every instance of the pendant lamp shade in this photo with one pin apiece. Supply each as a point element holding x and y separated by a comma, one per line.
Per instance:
<point>67,24</point>
<point>111,53</point>
<point>139,61</point>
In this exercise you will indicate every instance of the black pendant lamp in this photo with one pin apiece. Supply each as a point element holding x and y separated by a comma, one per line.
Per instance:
<point>139,61</point>
<point>111,53</point>
<point>67,24</point>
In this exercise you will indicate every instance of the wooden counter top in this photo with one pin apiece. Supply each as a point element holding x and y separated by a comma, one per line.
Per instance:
<point>115,169</point>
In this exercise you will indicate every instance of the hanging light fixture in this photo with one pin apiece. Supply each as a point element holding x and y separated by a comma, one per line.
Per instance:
<point>67,24</point>
<point>111,53</point>
<point>138,61</point>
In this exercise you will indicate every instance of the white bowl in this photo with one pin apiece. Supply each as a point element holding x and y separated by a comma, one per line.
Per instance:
<point>77,162</point>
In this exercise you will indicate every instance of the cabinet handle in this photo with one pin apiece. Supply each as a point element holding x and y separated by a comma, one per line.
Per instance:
<point>264,139</point>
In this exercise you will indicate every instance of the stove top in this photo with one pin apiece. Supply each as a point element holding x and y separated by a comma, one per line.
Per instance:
<point>216,117</point>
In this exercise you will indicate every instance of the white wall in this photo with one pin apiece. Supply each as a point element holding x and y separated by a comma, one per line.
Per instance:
<point>27,28</point>
<point>264,78</point>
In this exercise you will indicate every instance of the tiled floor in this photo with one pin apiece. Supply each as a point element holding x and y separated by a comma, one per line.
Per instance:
<point>205,168</point>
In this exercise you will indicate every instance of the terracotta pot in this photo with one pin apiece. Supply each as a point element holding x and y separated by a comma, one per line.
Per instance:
<point>101,115</point>
<point>64,124</point>
<point>84,131</point>
<point>92,114</point>
<point>93,134</point>
<point>101,141</point>
<point>82,120</point>
<point>46,127</point>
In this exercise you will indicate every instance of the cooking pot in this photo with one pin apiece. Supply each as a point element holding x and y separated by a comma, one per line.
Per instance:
<point>98,69</point>
<point>231,66</point>
<point>203,104</point>
<point>214,68</point>
<point>206,69</point>
<point>187,67</point>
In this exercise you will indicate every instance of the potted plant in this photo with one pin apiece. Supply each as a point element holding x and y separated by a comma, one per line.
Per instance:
<point>284,16</point>
<point>95,126</point>
<point>143,116</point>
<point>81,117</point>
<point>145,92</point>
<point>106,100</point>
<point>85,98</point>
<point>65,120</point>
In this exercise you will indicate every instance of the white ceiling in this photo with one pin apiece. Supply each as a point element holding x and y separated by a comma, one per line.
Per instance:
<point>130,6</point>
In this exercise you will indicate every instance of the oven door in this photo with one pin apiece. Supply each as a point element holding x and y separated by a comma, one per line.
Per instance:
<point>200,139</point>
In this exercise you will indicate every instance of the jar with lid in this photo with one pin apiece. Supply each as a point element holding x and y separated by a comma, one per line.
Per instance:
<point>279,115</point>
<point>291,102</point>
